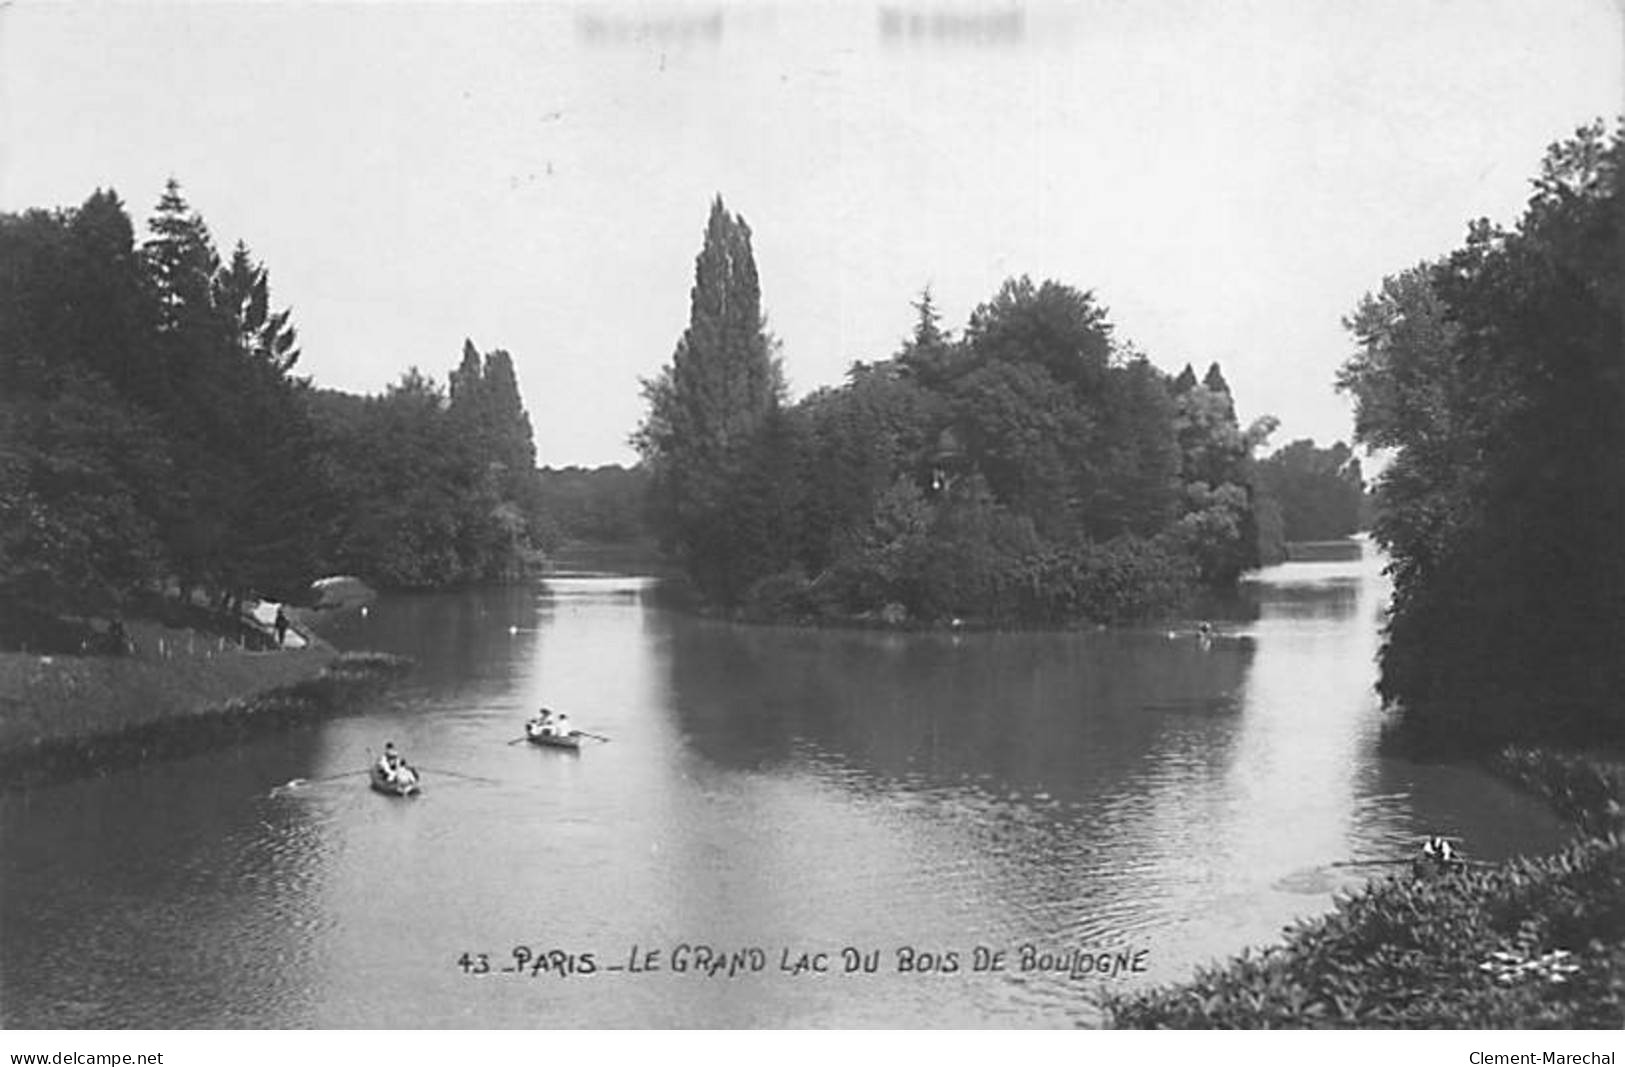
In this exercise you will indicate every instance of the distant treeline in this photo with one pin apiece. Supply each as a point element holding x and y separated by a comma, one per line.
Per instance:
<point>1033,469</point>
<point>1302,493</point>
<point>154,435</point>
<point>604,506</point>
<point>1314,494</point>
<point>1496,374</point>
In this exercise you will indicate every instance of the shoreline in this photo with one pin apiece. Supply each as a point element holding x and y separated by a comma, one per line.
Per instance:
<point>64,717</point>
<point>1529,942</point>
<point>674,591</point>
<point>677,597</point>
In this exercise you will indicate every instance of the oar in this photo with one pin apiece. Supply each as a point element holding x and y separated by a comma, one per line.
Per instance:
<point>458,774</point>
<point>595,737</point>
<point>1458,861</point>
<point>516,740</point>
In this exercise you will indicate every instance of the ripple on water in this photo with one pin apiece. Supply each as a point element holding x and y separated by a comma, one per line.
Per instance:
<point>1078,792</point>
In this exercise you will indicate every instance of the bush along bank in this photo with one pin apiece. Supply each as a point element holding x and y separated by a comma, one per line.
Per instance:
<point>338,688</point>
<point>940,583</point>
<point>1585,789</point>
<point>1524,944</point>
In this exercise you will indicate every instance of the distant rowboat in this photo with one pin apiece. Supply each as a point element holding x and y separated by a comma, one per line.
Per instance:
<point>538,734</point>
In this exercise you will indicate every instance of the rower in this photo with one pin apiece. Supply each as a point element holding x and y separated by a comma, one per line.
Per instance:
<point>561,725</point>
<point>1440,853</point>
<point>390,762</point>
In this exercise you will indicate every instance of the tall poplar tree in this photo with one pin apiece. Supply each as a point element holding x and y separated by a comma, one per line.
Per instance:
<point>494,439</point>
<point>489,416</point>
<point>709,405</point>
<point>514,445</point>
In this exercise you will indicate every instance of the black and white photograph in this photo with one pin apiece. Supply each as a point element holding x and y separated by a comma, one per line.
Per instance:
<point>980,515</point>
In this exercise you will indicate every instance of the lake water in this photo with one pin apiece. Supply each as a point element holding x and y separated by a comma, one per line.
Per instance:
<point>980,821</point>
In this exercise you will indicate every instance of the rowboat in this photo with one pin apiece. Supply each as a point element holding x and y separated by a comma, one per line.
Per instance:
<point>403,783</point>
<point>539,735</point>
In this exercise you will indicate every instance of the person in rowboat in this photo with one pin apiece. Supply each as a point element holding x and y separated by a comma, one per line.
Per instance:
<point>1440,850</point>
<point>561,725</point>
<point>1438,855</point>
<point>391,762</point>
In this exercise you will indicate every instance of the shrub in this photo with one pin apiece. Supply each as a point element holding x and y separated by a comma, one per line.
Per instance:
<point>1125,579</point>
<point>1584,788</point>
<point>1523,944</point>
<point>783,596</point>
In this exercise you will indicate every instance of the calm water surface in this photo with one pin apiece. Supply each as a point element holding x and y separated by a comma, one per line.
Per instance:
<point>772,789</point>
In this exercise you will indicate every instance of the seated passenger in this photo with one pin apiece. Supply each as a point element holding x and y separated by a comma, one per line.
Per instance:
<point>1438,856</point>
<point>1440,851</point>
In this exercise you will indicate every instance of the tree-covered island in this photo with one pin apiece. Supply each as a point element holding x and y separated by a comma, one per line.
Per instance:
<point>1033,469</point>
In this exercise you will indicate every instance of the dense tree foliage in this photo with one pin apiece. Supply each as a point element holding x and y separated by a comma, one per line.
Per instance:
<point>1320,491</point>
<point>1495,374</point>
<point>74,522</point>
<point>710,411</point>
<point>605,506</point>
<point>152,429</point>
<point>1031,469</point>
<point>435,486</point>
<point>1218,523</point>
<point>153,434</point>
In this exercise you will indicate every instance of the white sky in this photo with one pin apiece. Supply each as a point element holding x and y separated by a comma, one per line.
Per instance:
<point>1228,177</point>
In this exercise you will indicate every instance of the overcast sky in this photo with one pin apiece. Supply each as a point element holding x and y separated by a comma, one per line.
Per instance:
<point>1228,178</point>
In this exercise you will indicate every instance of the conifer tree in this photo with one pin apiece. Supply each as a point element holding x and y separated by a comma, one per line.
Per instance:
<point>926,355</point>
<point>242,293</point>
<point>181,262</point>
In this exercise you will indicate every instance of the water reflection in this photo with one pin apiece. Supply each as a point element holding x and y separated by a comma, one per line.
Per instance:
<point>162,897</point>
<point>761,787</point>
<point>1058,715</point>
<point>452,637</point>
<point>1023,771</point>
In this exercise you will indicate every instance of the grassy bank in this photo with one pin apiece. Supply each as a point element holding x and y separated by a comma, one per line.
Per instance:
<point>1524,944</point>
<point>173,673</point>
<point>180,692</point>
